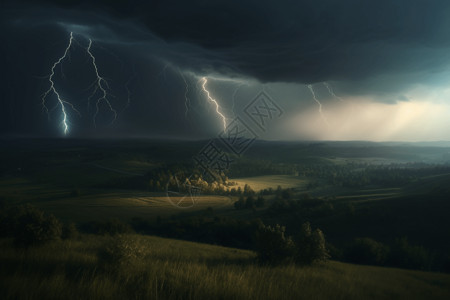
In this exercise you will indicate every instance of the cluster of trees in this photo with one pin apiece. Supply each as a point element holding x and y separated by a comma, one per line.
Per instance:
<point>250,202</point>
<point>349,175</point>
<point>273,246</point>
<point>361,174</point>
<point>246,167</point>
<point>400,254</point>
<point>181,179</point>
<point>305,205</point>
<point>30,226</point>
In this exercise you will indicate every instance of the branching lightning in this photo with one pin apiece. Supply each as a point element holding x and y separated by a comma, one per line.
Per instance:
<point>53,90</point>
<point>318,103</point>
<point>101,84</point>
<point>330,90</point>
<point>224,119</point>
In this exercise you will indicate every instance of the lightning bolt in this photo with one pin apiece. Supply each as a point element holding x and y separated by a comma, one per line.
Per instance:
<point>330,90</point>
<point>53,90</point>
<point>318,103</point>
<point>224,119</point>
<point>101,84</point>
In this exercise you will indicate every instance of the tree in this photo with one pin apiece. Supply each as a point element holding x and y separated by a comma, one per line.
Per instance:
<point>260,201</point>
<point>240,204</point>
<point>310,246</point>
<point>287,194</point>
<point>279,190</point>
<point>250,202</point>
<point>272,245</point>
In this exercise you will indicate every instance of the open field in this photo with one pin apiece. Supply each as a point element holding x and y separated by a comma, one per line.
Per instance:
<point>157,268</point>
<point>258,183</point>
<point>124,206</point>
<point>363,195</point>
<point>99,182</point>
<point>101,204</point>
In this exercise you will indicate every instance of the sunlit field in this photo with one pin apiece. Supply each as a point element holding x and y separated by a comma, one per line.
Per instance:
<point>259,183</point>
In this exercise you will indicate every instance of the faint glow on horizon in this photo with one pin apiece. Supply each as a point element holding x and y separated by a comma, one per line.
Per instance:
<point>374,121</point>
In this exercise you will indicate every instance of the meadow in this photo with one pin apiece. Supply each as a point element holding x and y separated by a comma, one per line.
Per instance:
<point>394,198</point>
<point>145,267</point>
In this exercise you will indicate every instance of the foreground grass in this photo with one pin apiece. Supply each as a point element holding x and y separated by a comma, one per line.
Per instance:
<point>157,268</point>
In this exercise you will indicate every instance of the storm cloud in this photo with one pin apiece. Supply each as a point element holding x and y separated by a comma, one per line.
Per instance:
<point>373,49</point>
<point>278,41</point>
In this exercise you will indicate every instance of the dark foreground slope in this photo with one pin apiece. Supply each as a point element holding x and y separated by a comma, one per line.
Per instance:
<point>138,267</point>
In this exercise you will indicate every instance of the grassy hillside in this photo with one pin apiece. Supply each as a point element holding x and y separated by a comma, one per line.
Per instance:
<point>142,267</point>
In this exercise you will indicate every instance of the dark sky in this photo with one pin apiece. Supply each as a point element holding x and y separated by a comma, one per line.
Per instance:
<point>379,69</point>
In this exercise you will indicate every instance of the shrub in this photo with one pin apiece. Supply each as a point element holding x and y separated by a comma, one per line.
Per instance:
<point>366,251</point>
<point>120,251</point>
<point>405,255</point>
<point>69,231</point>
<point>32,226</point>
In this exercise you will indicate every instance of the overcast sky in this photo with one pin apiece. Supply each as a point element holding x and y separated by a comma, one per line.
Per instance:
<point>379,70</point>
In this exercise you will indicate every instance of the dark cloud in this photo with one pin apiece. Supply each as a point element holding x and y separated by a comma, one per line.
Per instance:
<point>365,47</point>
<point>288,41</point>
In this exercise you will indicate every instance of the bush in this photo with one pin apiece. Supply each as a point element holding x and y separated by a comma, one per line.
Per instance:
<point>405,255</point>
<point>121,251</point>
<point>32,226</point>
<point>69,231</point>
<point>366,251</point>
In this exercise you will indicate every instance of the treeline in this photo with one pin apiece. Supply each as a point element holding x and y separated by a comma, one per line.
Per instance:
<point>361,174</point>
<point>346,221</point>
<point>29,226</point>
<point>246,167</point>
<point>182,179</point>
<point>274,244</point>
<point>401,253</point>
